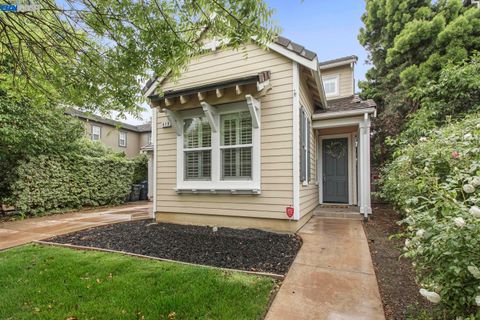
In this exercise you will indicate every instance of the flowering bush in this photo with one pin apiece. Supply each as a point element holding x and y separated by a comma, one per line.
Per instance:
<point>436,184</point>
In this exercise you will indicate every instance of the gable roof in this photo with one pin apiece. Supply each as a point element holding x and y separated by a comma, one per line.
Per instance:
<point>296,48</point>
<point>147,127</point>
<point>284,44</point>
<point>347,104</point>
<point>338,62</point>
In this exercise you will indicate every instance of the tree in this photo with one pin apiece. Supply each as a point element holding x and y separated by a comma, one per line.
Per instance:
<point>409,43</point>
<point>96,53</point>
<point>28,130</point>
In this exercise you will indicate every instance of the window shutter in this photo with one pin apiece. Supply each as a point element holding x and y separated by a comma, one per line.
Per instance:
<point>302,146</point>
<point>308,149</point>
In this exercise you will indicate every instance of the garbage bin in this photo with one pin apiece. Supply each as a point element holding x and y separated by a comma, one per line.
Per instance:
<point>135,194</point>
<point>144,190</point>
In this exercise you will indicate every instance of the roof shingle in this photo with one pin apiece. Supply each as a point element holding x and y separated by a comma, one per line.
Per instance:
<point>347,104</point>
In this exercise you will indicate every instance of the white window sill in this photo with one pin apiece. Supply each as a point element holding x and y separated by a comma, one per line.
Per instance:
<point>218,191</point>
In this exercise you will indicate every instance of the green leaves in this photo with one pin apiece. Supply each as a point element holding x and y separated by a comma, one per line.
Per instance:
<point>51,183</point>
<point>410,44</point>
<point>97,54</point>
<point>426,181</point>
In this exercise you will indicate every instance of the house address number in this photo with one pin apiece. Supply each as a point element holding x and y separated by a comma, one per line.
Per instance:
<point>166,124</point>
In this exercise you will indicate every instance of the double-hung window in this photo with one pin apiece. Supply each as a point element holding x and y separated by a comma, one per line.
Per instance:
<point>218,151</point>
<point>236,146</point>
<point>122,139</point>
<point>330,85</point>
<point>197,149</point>
<point>305,129</point>
<point>96,133</point>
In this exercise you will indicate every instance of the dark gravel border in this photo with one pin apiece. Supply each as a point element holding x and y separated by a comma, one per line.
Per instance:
<point>244,249</point>
<point>395,275</point>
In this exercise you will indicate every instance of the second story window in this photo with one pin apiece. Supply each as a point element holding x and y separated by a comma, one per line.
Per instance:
<point>122,139</point>
<point>330,84</point>
<point>96,133</point>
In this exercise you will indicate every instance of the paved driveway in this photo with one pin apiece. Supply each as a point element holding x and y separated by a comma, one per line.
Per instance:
<point>332,277</point>
<point>23,231</point>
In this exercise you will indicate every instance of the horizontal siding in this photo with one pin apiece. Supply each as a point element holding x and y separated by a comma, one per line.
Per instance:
<point>227,64</point>
<point>345,74</point>
<point>276,137</point>
<point>309,193</point>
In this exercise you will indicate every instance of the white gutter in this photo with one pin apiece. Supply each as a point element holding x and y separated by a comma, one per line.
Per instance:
<point>337,64</point>
<point>342,114</point>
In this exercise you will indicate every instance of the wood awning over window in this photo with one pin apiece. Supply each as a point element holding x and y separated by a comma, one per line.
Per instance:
<point>168,98</point>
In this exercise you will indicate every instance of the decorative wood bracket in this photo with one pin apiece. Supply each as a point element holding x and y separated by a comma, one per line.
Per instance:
<point>210,113</point>
<point>254,108</point>
<point>174,120</point>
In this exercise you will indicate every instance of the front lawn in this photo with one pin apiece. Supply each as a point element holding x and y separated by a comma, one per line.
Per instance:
<point>41,282</point>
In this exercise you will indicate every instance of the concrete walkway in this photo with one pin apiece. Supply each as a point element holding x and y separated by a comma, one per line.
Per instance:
<point>19,232</point>
<point>332,276</point>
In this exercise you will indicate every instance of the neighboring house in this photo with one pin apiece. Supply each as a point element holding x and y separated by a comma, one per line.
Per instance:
<point>120,136</point>
<point>247,141</point>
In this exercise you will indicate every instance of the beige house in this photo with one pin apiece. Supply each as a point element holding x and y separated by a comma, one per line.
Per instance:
<point>255,138</point>
<point>119,136</point>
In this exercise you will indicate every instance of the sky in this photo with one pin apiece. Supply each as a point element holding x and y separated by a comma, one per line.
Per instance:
<point>327,27</point>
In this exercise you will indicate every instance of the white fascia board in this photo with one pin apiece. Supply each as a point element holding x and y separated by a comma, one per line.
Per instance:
<point>343,114</point>
<point>310,64</point>
<point>337,64</point>
<point>154,86</point>
<point>318,79</point>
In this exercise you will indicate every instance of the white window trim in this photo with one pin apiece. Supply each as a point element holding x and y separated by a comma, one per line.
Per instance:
<point>308,119</point>
<point>216,183</point>
<point>120,139</point>
<point>336,79</point>
<point>99,132</point>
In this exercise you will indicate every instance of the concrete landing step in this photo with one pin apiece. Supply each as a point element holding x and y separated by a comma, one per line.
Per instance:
<point>338,213</point>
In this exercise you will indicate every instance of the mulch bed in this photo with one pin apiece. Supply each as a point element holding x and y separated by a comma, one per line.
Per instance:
<point>396,278</point>
<point>244,249</point>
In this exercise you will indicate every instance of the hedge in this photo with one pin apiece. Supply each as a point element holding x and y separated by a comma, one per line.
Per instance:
<point>435,183</point>
<point>52,183</point>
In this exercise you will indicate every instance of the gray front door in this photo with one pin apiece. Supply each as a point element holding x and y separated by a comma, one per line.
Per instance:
<point>335,170</point>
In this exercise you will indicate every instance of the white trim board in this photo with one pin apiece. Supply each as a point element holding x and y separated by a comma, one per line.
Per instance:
<point>296,140</point>
<point>310,64</point>
<point>154,141</point>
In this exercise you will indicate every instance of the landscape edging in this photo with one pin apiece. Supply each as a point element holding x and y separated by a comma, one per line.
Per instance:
<point>78,247</point>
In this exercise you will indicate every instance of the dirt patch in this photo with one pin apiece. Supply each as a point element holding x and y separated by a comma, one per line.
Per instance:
<point>245,249</point>
<point>396,278</point>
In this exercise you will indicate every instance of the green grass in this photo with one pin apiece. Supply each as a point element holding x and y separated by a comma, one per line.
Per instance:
<point>42,282</point>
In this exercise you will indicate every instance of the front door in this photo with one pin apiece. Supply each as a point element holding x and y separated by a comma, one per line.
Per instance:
<point>335,170</point>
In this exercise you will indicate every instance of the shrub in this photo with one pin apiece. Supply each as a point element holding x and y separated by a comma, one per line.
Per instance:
<point>436,184</point>
<point>55,183</point>
<point>140,172</point>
